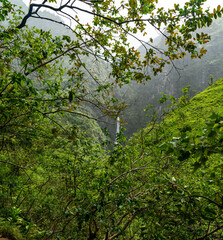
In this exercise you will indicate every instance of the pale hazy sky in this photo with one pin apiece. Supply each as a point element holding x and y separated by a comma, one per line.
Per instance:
<point>164,3</point>
<point>151,31</point>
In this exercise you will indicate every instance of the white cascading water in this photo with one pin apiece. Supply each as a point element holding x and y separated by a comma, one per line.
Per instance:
<point>117,128</point>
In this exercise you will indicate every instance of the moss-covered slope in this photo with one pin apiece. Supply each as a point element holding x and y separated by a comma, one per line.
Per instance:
<point>200,107</point>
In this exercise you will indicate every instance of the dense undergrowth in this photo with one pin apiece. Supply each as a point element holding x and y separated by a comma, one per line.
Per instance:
<point>164,183</point>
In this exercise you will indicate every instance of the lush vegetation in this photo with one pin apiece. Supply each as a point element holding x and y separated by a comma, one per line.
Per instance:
<point>58,180</point>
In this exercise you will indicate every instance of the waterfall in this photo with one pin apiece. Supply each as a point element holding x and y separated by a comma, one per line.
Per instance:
<point>117,128</point>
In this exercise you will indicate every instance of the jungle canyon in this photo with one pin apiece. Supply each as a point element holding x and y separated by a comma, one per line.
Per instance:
<point>61,175</point>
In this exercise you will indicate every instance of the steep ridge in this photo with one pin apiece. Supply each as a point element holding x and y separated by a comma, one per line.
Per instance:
<point>193,72</point>
<point>199,108</point>
<point>185,114</point>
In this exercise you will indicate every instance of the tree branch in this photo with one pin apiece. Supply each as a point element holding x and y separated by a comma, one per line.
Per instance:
<point>15,165</point>
<point>210,233</point>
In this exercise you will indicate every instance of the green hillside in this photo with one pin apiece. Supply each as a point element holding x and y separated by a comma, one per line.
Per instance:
<point>180,168</point>
<point>199,118</point>
<point>189,127</point>
<point>198,109</point>
<point>196,113</point>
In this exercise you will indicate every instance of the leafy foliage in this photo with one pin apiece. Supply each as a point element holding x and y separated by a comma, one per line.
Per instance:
<point>56,182</point>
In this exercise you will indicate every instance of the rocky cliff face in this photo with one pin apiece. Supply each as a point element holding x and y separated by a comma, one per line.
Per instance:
<point>193,72</point>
